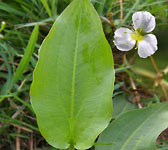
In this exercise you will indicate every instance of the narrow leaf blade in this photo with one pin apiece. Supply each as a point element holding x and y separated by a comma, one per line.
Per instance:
<point>46,6</point>
<point>28,53</point>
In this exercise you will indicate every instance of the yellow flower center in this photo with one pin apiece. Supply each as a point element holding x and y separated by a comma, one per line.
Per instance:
<point>136,35</point>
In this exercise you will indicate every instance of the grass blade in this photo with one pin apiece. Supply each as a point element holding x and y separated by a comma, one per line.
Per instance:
<point>28,53</point>
<point>9,77</point>
<point>44,2</point>
<point>10,9</point>
<point>101,6</point>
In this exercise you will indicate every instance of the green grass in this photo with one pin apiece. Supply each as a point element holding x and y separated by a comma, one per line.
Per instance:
<point>19,46</point>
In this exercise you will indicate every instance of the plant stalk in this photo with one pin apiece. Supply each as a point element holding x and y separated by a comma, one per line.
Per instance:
<point>160,74</point>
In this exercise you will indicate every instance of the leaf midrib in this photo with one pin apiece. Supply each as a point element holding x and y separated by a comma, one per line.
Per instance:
<point>73,82</point>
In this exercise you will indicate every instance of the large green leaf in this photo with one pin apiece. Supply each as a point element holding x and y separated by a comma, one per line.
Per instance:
<point>73,80</point>
<point>135,130</point>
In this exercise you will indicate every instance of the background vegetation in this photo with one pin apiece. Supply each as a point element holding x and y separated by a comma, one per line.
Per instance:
<point>139,82</point>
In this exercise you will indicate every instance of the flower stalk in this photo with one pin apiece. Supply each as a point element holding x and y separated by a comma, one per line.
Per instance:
<point>160,74</point>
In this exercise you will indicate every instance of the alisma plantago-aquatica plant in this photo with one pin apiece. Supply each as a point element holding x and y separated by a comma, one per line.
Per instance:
<point>72,87</point>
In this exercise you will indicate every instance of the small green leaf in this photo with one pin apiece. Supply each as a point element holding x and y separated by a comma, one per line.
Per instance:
<point>71,92</point>
<point>136,130</point>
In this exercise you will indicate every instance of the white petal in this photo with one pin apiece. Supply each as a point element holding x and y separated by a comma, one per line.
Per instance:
<point>144,20</point>
<point>122,39</point>
<point>148,46</point>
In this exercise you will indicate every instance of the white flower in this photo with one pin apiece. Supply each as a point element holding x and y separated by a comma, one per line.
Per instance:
<point>125,39</point>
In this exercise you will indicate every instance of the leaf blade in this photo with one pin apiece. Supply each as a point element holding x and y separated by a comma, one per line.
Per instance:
<point>144,126</point>
<point>75,75</point>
